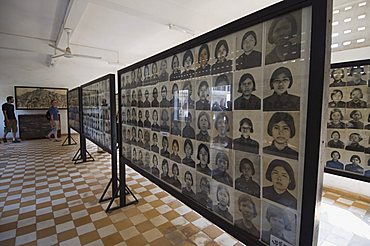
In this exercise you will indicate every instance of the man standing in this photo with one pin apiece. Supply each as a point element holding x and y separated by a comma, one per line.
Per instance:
<point>54,120</point>
<point>9,119</point>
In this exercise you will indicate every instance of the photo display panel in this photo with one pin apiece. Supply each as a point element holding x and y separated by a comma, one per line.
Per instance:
<point>221,123</point>
<point>74,109</point>
<point>97,112</point>
<point>347,140</point>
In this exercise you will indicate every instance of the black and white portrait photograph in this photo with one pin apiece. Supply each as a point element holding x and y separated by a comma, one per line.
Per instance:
<point>203,159</point>
<point>336,98</point>
<point>203,126</point>
<point>176,149</point>
<point>355,140</point>
<point>203,95</point>
<point>247,213</point>
<point>147,160</point>
<point>203,60</point>
<point>175,122</point>
<point>189,153</point>
<point>140,120</point>
<point>247,90</point>
<point>133,98</point>
<point>282,134</point>
<point>247,173</point>
<point>175,99</point>
<point>336,138</point>
<point>189,182</point>
<point>279,183</point>
<point>223,54</point>
<point>165,171</point>
<point>337,77</point>
<point>155,120</point>
<point>221,93</point>
<point>189,124</point>
<point>165,119</point>
<point>223,197</point>
<point>336,119</point>
<point>247,131</point>
<point>354,118</point>
<point>164,150</point>
<point>154,146</point>
<point>278,224</point>
<point>176,174</point>
<point>155,77</point>
<point>186,95</point>
<point>355,163</point>
<point>249,48</point>
<point>147,142</point>
<point>146,95</point>
<point>358,97</point>
<point>282,87</point>
<point>283,38</point>
<point>154,168</point>
<point>139,76</point>
<point>203,191</point>
<point>147,75</point>
<point>147,120</point>
<point>357,76</point>
<point>223,166</point>
<point>188,65</point>
<point>222,130</point>
<point>175,73</point>
<point>155,99</point>
<point>163,70</point>
<point>164,102</point>
<point>334,159</point>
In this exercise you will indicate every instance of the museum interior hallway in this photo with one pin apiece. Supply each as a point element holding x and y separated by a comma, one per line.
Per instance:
<point>46,200</point>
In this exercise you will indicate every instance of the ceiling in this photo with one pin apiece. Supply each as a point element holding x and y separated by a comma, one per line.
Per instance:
<point>122,32</point>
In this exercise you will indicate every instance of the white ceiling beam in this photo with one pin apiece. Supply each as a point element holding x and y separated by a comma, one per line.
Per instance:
<point>23,43</point>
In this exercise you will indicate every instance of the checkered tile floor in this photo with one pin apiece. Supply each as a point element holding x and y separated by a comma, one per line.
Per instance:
<point>47,200</point>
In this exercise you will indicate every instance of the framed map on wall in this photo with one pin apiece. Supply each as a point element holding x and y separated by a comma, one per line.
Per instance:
<point>38,98</point>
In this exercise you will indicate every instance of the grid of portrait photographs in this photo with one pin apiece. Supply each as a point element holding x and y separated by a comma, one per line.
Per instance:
<point>348,120</point>
<point>74,110</point>
<point>222,124</point>
<point>96,113</point>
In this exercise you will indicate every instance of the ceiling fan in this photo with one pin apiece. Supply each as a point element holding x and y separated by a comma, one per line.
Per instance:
<point>67,52</point>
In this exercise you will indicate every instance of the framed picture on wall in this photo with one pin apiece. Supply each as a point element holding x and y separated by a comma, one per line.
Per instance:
<point>39,98</point>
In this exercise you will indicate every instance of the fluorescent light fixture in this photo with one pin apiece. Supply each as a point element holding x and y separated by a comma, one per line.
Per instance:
<point>336,11</point>
<point>335,34</point>
<point>335,23</point>
<point>334,45</point>
<point>347,19</point>
<point>348,8</point>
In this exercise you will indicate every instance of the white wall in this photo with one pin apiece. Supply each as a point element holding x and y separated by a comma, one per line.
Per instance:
<point>334,181</point>
<point>30,69</point>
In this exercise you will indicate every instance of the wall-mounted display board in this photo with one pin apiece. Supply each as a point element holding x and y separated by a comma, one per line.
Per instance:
<point>37,98</point>
<point>347,140</point>
<point>97,111</point>
<point>74,109</point>
<point>221,122</point>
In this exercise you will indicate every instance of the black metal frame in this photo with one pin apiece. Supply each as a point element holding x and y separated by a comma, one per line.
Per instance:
<point>118,191</point>
<point>69,138</point>
<point>19,86</point>
<point>340,172</point>
<point>319,69</point>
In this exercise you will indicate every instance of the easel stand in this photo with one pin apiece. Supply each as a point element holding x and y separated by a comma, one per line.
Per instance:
<point>70,141</point>
<point>121,189</point>
<point>82,155</point>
